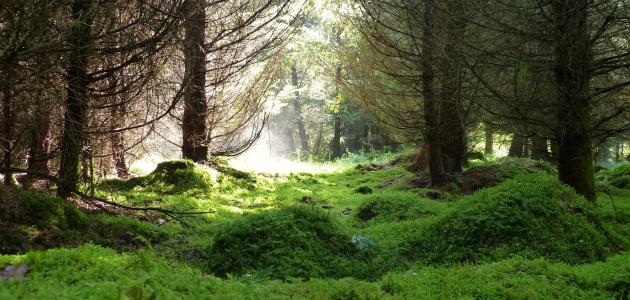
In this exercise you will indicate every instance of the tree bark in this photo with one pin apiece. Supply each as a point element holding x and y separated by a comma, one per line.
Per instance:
<point>517,146</point>
<point>73,136</point>
<point>297,107</point>
<point>195,144</point>
<point>431,112</point>
<point>336,140</point>
<point>539,148</point>
<point>40,139</point>
<point>489,141</point>
<point>454,137</point>
<point>6,135</point>
<point>117,141</point>
<point>573,67</point>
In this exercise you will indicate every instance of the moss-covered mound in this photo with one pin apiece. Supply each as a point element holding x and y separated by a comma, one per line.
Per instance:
<point>532,215</point>
<point>619,176</point>
<point>293,242</point>
<point>169,177</point>
<point>394,206</point>
<point>490,174</point>
<point>30,220</point>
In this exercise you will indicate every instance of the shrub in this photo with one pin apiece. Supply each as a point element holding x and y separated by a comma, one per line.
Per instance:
<point>292,242</point>
<point>533,215</point>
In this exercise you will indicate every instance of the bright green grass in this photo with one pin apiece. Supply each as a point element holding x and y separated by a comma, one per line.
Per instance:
<point>92,272</point>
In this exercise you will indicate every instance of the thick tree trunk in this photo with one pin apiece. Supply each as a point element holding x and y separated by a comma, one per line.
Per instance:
<point>431,111</point>
<point>574,61</point>
<point>517,146</point>
<point>117,141</point>
<point>489,141</point>
<point>297,107</point>
<point>539,148</point>
<point>421,160</point>
<point>195,143</point>
<point>454,133</point>
<point>73,136</point>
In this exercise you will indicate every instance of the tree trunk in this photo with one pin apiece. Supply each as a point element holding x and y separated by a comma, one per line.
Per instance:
<point>454,133</point>
<point>489,141</point>
<point>421,160</point>
<point>117,141</point>
<point>539,148</point>
<point>80,40</point>
<point>297,107</point>
<point>195,144</point>
<point>574,61</point>
<point>431,112</point>
<point>6,135</point>
<point>553,146</point>
<point>517,146</point>
<point>40,139</point>
<point>336,140</point>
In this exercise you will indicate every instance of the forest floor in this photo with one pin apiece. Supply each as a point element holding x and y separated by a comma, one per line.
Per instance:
<point>506,229</point>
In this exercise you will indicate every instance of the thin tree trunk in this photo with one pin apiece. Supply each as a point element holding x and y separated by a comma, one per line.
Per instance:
<point>117,141</point>
<point>195,144</point>
<point>489,141</point>
<point>73,136</point>
<point>297,107</point>
<point>6,137</point>
<point>40,139</point>
<point>574,61</point>
<point>431,112</point>
<point>336,140</point>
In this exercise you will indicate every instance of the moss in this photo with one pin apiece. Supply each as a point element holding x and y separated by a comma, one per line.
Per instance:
<point>35,220</point>
<point>292,242</point>
<point>490,174</point>
<point>394,206</point>
<point>532,215</point>
<point>170,177</point>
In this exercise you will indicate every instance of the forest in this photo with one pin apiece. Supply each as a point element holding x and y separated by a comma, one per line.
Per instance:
<point>314,149</point>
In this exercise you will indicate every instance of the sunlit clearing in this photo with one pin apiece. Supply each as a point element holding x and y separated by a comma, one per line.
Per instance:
<point>261,159</point>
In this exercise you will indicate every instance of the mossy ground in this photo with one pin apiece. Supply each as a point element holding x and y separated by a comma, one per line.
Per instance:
<point>296,236</point>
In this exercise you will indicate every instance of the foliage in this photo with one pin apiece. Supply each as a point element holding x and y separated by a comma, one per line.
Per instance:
<point>292,242</point>
<point>619,177</point>
<point>531,215</point>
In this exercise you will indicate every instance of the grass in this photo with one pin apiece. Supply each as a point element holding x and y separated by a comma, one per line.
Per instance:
<point>351,234</point>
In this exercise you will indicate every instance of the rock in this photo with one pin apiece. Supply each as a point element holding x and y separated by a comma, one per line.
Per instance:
<point>10,271</point>
<point>327,206</point>
<point>433,195</point>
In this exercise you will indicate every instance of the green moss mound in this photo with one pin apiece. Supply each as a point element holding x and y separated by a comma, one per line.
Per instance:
<point>489,174</point>
<point>534,216</point>
<point>619,176</point>
<point>292,242</point>
<point>34,220</point>
<point>169,177</point>
<point>394,206</point>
